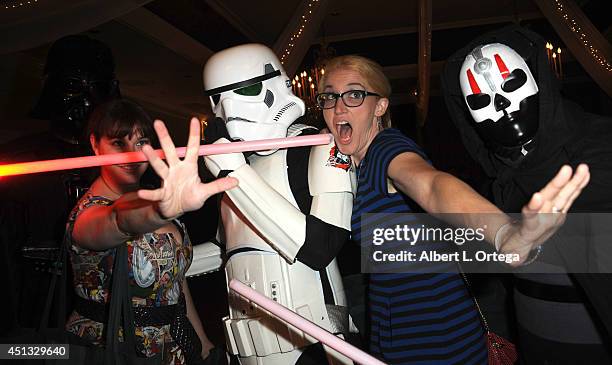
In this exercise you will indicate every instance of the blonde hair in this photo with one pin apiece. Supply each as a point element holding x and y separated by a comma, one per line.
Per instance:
<point>372,73</point>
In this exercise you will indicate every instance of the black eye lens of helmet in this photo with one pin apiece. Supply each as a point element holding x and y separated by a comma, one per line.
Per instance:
<point>215,98</point>
<point>251,90</point>
<point>515,79</point>
<point>478,101</point>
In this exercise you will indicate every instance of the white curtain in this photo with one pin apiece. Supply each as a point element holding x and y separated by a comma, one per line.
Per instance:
<point>26,24</point>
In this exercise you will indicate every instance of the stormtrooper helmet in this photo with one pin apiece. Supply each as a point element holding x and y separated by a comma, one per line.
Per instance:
<point>250,91</point>
<point>501,94</point>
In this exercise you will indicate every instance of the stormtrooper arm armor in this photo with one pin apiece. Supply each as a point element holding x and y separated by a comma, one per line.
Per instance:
<point>273,216</point>
<point>314,239</point>
<point>270,213</point>
<point>329,223</point>
<point>207,258</point>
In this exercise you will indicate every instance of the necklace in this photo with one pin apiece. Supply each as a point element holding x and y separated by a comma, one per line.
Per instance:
<point>109,188</point>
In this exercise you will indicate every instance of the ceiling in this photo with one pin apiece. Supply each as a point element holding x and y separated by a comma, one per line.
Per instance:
<point>160,48</point>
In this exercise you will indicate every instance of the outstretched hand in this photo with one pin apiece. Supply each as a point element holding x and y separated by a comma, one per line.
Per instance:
<point>182,189</point>
<point>556,197</point>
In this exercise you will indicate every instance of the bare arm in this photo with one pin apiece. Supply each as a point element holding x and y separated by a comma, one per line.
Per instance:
<point>103,227</point>
<point>194,319</point>
<point>438,192</point>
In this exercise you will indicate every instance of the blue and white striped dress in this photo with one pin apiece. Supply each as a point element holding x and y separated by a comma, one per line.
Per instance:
<point>416,318</point>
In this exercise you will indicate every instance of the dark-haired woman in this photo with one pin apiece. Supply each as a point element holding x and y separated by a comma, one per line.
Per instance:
<point>115,211</point>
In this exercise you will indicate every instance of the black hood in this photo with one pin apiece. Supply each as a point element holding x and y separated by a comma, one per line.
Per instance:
<point>559,130</point>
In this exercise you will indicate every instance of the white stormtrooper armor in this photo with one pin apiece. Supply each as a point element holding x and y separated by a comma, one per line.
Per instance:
<point>279,248</point>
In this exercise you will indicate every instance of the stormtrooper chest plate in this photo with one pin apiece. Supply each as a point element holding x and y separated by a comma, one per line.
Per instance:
<point>273,170</point>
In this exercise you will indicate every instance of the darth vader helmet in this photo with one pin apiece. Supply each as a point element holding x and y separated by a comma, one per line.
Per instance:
<point>80,74</point>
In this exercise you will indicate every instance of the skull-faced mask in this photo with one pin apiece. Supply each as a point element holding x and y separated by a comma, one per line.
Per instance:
<point>250,91</point>
<point>501,94</point>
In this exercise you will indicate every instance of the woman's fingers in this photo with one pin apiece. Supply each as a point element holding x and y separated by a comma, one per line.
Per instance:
<point>559,194</point>
<point>572,190</point>
<point>193,143</point>
<point>158,165</point>
<point>576,193</point>
<point>151,195</point>
<point>554,186</point>
<point>534,205</point>
<point>166,142</point>
<point>182,186</point>
<point>217,186</point>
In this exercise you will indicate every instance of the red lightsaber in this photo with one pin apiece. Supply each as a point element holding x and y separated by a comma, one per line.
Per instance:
<point>130,157</point>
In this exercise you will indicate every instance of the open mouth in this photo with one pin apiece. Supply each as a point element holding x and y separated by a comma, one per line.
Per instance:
<point>239,119</point>
<point>344,131</point>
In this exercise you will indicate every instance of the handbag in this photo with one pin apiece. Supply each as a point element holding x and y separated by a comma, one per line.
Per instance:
<point>120,315</point>
<point>501,351</point>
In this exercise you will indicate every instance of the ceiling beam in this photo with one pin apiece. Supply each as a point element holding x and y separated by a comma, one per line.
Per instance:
<point>291,47</point>
<point>164,33</point>
<point>442,26</point>
<point>235,20</point>
<point>423,85</point>
<point>42,22</point>
<point>582,38</point>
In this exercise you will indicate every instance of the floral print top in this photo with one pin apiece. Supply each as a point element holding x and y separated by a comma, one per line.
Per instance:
<point>157,265</point>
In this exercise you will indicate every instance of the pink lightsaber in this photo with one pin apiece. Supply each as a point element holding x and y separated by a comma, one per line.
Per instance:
<point>129,157</point>
<point>305,325</point>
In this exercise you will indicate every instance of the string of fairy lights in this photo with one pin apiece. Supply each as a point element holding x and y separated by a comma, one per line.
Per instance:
<point>304,83</point>
<point>312,4</point>
<point>584,38</point>
<point>17,4</point>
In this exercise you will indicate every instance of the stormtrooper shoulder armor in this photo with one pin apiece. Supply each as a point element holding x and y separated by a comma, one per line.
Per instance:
<point>330,171</point>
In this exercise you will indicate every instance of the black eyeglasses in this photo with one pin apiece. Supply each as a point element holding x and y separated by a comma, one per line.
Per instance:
<point>350,98</point>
